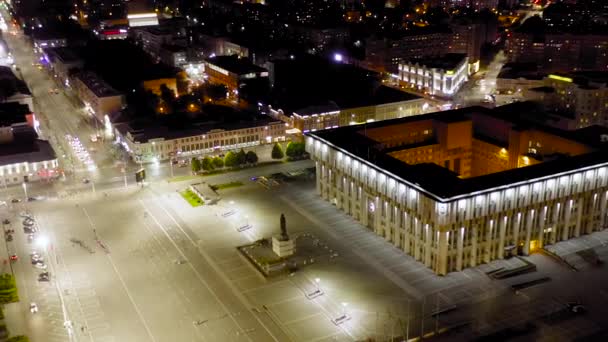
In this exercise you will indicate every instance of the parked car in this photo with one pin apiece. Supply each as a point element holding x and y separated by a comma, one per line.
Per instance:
<point>15,200</point>
<point>33,307</point>
<point>6,221</point>
<point>14,257</point>
<point>41,266</point>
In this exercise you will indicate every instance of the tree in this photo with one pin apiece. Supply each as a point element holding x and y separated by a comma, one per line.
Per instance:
<point>18,338</point>
<point>241,157</point>
<point>195,163</point>
<point>277,152</point>
<point>207,164</point>
<point>231,159</point>
<point>251,157</point>
<point>216,92</point>
<point>218,162</point>
<point>295,149</point>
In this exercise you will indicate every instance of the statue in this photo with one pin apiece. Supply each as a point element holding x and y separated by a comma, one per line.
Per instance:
<point>282,245</point>
<point>284,235</point>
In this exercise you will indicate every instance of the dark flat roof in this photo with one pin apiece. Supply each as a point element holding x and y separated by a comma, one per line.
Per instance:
<point>442,184</point>
<point>98,86</point>
<point>66,54</point>
<point>448,61</point>
<point>12,113</point>
<point>16,85</point>
<point>234,64</point>
<point>181,125</point>
<point>30,151</point>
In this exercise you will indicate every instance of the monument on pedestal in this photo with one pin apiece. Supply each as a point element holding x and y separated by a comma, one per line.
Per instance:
<point>282,245</point>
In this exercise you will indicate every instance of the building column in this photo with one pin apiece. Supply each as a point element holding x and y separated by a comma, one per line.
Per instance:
<point>541,227</point>
<point>319,176</point>
<point>473,261</point>
<point>516,228</point>
<point>407,232</point>
<point>396,227</point>
<point>428,244</point>
<point>603,204</point>
<point>417,227</point>
<point>501,238</point>
<point>555,222</point>
<point>526,250</point>
<point>460,249</point>
<point>487,255</point>
<point>566,230</point>
<point>442,253</point>
<point>579,215</point>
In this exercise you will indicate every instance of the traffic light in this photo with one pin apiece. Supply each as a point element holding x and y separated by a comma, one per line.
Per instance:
<point>140,176</point>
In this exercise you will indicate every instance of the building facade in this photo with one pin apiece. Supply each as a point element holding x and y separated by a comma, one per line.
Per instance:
<point>158,144</point>
<point>417,182</point>
<point>442,76</point>
<point>98,97</point>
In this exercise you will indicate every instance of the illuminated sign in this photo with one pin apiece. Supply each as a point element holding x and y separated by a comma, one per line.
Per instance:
<point>560,78</point>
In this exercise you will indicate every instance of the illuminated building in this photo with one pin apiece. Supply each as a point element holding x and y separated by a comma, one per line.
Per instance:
<point>63,61</point>
<point>15,89</point>
<point>23,157</point>
<point>232,71</point>
<point>99,99</point>
<point>441,76</point>
<point>385,54</point>
<point>460,188</point>
<point>157,141</point>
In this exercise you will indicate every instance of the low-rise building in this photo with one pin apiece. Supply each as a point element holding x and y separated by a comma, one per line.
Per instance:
<point>23,157</point>
<point>44,40</point>
<point>232,71</point>
<point>63,61</point>
<point>99,98</point>
<point>14,89</point>
<point>156,141</point>
<point>385,103</point>
<point>439,76</point>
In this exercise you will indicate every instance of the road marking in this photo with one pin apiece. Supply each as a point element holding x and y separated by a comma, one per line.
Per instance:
<point>124,285</point>
<point>236,292</point>
<point>198,333</point>
<point>198,275</point>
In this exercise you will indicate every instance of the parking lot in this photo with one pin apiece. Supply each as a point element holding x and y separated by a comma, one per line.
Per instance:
<point>113,253</point>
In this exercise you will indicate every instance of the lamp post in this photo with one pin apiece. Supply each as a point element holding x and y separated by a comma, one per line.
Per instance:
<point>344,305</point>
<point>24,185</point>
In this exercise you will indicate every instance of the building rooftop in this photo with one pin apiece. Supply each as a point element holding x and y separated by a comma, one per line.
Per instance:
<point>134,65</point>
<point>234,64</point>
<point>98,86</point>
<point>297,87</point>
<point>579,149</point>
<point>47,35</point>
<point>13,113</point>
<point>11,84</point>
<point>25,147</point>
<point>520,70</point>
<point>448,61</point>
<point>181,125</point>
<point>65,54</point>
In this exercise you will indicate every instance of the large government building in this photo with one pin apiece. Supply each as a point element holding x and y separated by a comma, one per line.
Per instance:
<point>459,188</point>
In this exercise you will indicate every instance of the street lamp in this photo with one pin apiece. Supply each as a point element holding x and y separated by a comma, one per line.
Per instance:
<point>24,185</point>
<point>344,305</point>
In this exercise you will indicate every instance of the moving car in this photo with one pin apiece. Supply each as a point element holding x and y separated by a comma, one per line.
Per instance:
<point>41,266</point>
<point>33,307</point>
<point>14,257</point>
<point>44,276</point>
<point>6,221</point>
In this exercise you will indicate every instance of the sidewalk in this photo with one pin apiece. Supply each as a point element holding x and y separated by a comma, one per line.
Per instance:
<point>14,316</point>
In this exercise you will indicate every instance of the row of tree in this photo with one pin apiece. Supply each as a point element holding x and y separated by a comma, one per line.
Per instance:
<point>231,159</point>
<point>294,150</point>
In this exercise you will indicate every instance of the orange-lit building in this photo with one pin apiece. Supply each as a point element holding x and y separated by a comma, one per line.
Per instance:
<point>232,71</point>
<point>459,188</point>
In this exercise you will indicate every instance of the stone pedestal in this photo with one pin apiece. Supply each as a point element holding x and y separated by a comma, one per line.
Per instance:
<point>283,248</point>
